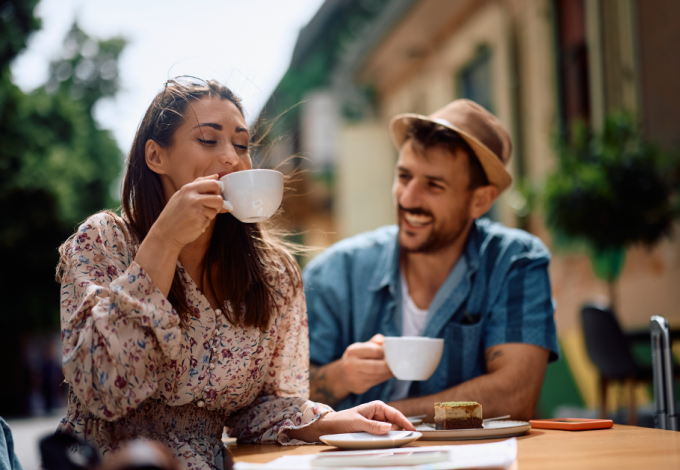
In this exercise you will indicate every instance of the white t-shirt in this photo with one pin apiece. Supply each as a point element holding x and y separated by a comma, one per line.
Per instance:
<point>413,321</point>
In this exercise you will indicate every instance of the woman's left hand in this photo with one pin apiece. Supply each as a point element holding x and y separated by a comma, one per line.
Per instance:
<point>375,417</point>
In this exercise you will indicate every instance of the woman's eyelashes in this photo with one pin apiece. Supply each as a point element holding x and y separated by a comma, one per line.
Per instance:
<point>213,142</point>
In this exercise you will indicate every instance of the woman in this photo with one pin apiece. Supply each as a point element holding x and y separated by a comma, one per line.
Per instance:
<point>177,319</point>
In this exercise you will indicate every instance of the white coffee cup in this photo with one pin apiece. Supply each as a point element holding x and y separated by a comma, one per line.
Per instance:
<point>413,357</point>
<point>252,195</point>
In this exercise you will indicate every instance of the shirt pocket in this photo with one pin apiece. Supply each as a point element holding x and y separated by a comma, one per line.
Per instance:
<point>463,357</point>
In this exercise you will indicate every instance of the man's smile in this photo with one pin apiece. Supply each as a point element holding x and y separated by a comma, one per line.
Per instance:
<point>417,220</point>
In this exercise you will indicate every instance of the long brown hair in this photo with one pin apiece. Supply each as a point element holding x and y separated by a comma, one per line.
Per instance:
<point>243,260</point>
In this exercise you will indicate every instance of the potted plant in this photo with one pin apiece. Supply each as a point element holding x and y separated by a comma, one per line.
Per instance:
<point>611,190</point>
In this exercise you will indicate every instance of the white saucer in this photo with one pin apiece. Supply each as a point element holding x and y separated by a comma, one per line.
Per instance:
<point>491,430</point>
<point>364,440</point>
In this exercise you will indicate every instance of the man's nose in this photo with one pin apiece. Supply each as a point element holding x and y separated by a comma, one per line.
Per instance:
<point>411,195</point>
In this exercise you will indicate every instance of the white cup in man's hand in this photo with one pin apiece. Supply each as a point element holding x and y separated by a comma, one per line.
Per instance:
<point>413,357</point>
<point>252,195</point>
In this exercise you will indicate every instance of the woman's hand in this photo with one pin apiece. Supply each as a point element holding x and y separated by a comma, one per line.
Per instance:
<point>189,211</point>
<point>375,417</point>
<point>185,217</point>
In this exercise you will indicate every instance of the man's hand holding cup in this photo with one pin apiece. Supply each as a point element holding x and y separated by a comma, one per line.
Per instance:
<point>363,365</point>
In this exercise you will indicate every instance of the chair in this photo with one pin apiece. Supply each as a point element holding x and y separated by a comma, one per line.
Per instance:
<point>610,350</point>
<point>665,416</point>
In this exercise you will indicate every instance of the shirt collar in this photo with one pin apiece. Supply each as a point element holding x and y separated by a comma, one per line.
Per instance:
<point>386,273</point>
<point>387,268</point>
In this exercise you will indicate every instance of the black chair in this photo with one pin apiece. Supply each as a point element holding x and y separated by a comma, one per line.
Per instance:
<point>610,350</point>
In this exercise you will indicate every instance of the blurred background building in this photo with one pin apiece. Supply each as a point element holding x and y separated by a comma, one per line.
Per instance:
<point>540,66</point>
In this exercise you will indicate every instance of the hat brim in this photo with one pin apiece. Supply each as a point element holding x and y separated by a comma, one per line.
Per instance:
<point>495,171</point>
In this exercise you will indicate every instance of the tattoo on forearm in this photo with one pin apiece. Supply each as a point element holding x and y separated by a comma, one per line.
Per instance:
<point>319,388</point>
<point>492,354</point>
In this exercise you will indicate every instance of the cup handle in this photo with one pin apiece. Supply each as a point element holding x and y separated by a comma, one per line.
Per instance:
<point>226,205</point>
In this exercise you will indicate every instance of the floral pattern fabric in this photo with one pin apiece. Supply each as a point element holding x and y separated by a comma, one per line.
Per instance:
<point>133,371</point>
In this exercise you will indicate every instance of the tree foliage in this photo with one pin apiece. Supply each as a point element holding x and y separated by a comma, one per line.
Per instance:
<point>611,190</point>
<point>614,189</point>
<point>56,165</point>
<point>18,22</point>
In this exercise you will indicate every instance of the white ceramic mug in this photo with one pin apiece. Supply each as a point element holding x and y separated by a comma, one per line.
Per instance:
<point>413,357</point>
<point>252,195</point>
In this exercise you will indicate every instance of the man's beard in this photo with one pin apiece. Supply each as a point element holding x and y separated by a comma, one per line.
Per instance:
<point>438,239</point>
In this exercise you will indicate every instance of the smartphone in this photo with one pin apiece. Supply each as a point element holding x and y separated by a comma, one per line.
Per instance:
<point>571,424</point>
<point>381,459</point>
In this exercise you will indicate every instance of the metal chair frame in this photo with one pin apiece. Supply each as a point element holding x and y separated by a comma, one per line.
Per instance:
<point>665,416</point>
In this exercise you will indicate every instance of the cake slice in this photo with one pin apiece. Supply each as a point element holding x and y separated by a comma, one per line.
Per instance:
<point>457,415</point>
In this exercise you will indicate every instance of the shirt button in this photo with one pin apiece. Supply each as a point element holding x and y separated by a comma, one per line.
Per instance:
<point>218,311</point>
<point>212,366</point>
<point>214,350</point>
<point>217,332</point>
<point>200,403</point>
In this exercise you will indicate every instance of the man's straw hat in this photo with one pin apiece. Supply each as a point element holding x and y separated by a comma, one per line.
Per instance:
<point>481,130</point>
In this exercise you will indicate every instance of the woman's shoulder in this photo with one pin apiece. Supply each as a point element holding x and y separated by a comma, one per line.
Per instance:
<point>103,236</point>
<point>105,222</point>
<point>104,231</point>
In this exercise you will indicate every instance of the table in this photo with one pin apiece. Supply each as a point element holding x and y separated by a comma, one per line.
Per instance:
<point>621,447</point>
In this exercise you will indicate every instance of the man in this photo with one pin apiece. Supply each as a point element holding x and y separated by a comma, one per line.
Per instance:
<point>442,272</point>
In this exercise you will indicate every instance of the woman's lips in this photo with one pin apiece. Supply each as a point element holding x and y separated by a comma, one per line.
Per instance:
<point>222,173</point>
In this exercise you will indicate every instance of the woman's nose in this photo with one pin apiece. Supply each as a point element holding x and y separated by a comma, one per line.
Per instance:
<point>229,156</point>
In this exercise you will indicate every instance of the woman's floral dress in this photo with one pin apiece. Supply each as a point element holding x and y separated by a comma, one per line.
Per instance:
<point>133,371</point>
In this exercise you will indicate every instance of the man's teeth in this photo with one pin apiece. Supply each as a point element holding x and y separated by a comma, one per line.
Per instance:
<point>417,220</point>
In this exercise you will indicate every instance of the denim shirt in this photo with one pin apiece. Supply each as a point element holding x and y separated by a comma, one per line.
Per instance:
<point>353,292</point>
<point>8,459</point>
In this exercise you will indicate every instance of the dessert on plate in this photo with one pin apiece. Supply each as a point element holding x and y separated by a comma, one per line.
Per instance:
<point>457,415</point>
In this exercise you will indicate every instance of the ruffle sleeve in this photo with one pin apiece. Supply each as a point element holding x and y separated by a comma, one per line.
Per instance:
<point>117,327</point>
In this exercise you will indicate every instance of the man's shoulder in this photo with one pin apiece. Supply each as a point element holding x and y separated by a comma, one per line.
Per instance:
<point>367,247</point>
<point>495,239</point>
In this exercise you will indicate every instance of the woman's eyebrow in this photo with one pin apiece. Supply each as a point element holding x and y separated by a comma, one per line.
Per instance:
<point>210,124</point>
<point>242,129</point>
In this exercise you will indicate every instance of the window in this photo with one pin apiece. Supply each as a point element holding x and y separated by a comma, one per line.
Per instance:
<point>475,79</point>
<point>574,90</point>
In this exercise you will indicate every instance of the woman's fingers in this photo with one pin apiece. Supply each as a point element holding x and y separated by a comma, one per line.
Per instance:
<point>205,186</point>
<point>190,210</point>
<point>211,201</point>
<point>379,411</point>
<point>210,185</point>
<point>376,427</point>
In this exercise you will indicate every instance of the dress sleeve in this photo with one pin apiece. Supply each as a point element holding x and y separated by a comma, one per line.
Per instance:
<point>283,403</point>
<point>116,325</point>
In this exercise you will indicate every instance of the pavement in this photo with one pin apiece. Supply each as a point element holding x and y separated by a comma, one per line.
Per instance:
<point>27,432</point>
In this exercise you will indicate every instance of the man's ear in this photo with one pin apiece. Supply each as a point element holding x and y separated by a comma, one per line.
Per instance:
<point>155,157</point>
<point>482,199</point>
